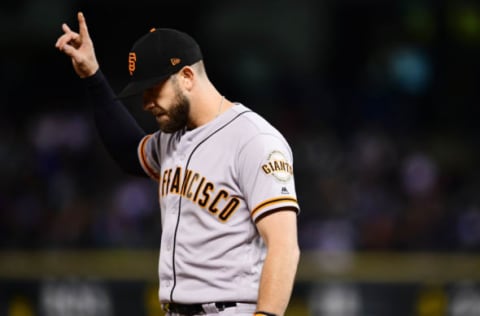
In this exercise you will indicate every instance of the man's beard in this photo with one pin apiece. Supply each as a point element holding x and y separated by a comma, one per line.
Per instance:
<point>177,115</point>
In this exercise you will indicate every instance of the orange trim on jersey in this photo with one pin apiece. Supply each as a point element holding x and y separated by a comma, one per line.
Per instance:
<point>143,159</point>
<point>271,202</point>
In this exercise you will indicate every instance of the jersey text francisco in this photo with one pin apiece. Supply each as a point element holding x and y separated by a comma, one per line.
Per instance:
<point>195,187</point>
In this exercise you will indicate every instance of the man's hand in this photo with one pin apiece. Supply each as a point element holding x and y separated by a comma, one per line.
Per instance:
<point>79,47</point>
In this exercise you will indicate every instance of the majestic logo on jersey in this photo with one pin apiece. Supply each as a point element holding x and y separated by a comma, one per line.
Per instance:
<point>132,59</point>
<point>199,190</point>
<point>278,166</point>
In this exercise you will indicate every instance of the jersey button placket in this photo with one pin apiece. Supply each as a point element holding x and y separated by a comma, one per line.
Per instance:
<point>182,154</point>
<point>173,210</point>
<point>174,207</point>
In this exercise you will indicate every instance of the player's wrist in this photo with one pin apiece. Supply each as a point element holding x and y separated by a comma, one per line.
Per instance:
<point>263,313</point>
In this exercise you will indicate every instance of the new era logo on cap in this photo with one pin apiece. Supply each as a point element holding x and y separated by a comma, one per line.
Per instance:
<point>175,61</point>
<point>157,55</point>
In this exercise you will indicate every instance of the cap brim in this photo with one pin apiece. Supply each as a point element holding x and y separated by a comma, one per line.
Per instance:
<point>138,87</point>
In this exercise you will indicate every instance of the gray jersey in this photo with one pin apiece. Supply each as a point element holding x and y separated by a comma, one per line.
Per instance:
<point>213,183</point>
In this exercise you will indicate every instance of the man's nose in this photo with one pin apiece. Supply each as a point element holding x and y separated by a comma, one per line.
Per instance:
<point>147,102</point>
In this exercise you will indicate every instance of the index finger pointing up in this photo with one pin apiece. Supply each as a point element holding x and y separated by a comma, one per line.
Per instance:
<point>82,25</point>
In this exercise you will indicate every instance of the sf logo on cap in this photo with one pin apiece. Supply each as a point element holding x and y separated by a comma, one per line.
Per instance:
<point>132,58</point>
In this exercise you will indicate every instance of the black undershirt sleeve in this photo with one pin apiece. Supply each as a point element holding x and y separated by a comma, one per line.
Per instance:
<point>117,128</point>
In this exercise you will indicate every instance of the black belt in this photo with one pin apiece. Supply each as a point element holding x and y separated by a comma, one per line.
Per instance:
<point>194,309</point>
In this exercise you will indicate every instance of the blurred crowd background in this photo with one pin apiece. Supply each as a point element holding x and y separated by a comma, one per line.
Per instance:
<point>378,100</point>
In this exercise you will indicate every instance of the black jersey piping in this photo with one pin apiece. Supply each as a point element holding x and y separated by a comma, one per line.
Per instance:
<point>180,200</point>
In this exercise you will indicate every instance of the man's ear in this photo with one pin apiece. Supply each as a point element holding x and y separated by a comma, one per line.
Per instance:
<point>187,77</point>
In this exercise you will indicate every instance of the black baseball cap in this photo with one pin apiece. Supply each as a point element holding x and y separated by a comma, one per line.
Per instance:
<point>157,55</point>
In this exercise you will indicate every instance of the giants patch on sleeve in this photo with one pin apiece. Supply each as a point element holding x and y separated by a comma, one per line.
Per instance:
<point>278,166</point>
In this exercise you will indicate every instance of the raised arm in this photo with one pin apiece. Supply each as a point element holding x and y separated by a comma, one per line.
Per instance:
<point>118,130</point>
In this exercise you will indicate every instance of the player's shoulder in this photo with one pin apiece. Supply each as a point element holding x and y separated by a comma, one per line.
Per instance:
<point>252,129</point>
<point>252,122</point>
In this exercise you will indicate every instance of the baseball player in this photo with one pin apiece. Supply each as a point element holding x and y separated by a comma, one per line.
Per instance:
<point>225,177</point>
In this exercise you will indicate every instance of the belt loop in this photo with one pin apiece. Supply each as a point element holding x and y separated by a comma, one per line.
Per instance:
<point>165,307</point>
<point>210,308</point>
